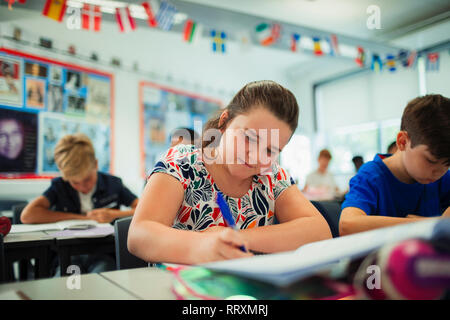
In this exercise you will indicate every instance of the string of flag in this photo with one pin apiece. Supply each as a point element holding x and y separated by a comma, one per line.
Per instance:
<point>161,14</point>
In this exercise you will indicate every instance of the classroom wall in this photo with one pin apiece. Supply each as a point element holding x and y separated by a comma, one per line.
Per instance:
<point>360,99</point>
<point>162,57</point>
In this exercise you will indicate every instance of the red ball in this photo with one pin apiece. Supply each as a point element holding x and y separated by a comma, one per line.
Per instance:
<point>5,225</point>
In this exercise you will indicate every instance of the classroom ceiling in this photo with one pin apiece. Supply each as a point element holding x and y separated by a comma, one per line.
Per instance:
<point>343,17</point>
<point>347,17</point>
<point>413,24</point>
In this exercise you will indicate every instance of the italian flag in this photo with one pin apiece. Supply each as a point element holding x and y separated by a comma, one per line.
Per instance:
<point>268,34</point>
<point>55,9</point>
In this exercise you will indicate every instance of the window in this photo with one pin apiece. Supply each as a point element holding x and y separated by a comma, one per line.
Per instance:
<point>296,158</point>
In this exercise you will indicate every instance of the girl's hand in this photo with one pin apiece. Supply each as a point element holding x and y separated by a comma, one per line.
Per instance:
<point>220,245</point>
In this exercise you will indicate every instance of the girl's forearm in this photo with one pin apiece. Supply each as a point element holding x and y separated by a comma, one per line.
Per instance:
<point>287,236</point>
<point>154,242</point>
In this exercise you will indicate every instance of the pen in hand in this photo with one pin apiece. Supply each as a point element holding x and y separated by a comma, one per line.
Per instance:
<point>227,215</point>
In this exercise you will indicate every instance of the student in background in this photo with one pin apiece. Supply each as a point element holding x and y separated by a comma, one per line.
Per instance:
<point>392,148</point>
<point>183,136</point>
<point>411,184</point>
<point>177,219</point>
<point>320,184</point>
<point>82,192</point>
<point>358,161</point>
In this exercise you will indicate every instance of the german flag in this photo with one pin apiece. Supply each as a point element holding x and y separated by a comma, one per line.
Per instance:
<point>55,9</point>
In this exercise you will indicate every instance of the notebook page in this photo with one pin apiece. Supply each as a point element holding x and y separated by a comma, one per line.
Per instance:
<point>318,254</point>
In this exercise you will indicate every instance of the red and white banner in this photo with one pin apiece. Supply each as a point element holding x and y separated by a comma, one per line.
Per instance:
<point>125,21</point>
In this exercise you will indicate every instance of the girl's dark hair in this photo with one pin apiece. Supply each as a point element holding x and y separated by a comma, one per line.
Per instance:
<point>267,94</point>
<point>427,121</point>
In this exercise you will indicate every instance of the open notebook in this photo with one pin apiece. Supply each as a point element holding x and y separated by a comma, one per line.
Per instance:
<point>61,225</point>
<point>285,268</point>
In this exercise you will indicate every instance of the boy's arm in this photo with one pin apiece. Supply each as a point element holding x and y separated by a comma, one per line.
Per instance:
<point>446,213</point>
<point>38,211</point>
<point>105,215</point>
<point>355,220</point>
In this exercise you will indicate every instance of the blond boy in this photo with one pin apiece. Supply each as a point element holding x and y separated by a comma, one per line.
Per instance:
<point>82,192</point>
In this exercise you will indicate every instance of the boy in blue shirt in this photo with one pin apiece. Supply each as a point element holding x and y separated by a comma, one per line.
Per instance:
<point>411,184</point>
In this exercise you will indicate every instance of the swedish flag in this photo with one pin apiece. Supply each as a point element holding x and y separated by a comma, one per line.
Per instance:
<point>218,39</point>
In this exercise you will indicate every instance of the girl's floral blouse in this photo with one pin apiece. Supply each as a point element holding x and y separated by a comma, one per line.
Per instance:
<point>199,209</point>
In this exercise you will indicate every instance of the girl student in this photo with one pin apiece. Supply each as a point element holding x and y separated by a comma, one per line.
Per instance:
<point>237,158</point>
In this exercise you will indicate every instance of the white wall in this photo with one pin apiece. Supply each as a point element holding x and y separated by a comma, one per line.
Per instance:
<point>161,56</point>
<point>367,97</point>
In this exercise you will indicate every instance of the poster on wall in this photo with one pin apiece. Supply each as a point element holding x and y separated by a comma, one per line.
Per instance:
<point>56,74</point>
<point>49,99</point>
<point>35,93</point>
<point>162,111</point>
<point>18,141</point>
<point>36,69</point>
<point>56,126</point>
<point>55,98</point>
<point>10,81</point>
<point>98,100</point>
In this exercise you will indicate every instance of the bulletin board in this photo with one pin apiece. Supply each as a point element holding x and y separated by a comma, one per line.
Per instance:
<point>162,110</point>
<point>41,100</point>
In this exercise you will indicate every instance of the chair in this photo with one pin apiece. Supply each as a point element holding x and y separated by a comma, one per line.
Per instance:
<point>8,204</point>
<point>124,259</point>
<point>2,260</point>
<point>25,266</point>
<point>17,211</point>
<point>331,211</point>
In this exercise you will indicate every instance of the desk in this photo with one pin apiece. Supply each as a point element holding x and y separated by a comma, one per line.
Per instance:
<point>68,247</point>
<point>143,283</point>
<point>29,245</point>
<point>7,213</point>
<point>38,245</point>
<point>92,287</point>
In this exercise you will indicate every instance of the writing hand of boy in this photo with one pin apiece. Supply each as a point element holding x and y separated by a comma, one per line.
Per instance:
<point>416,217</point>
<point>413,216</point>
<point>102,215</point>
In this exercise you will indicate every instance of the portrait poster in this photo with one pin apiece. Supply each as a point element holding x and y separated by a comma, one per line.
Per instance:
<point>18,141</point>
<point>10,81</point>
<point>35,93</point>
